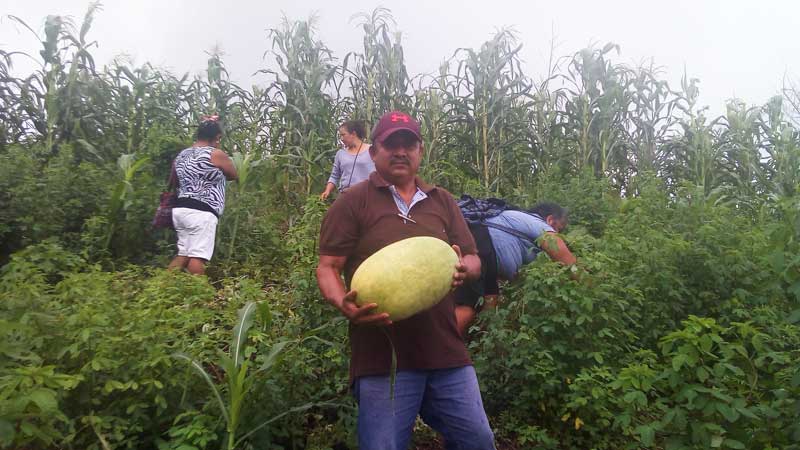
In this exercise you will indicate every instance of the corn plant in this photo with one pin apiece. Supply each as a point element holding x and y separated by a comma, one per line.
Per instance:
<point>652,119</point>
<point>243,164</point>
<point>307,116</point>
<point>141,99</point>
<point>545,131</point>
<point>379,81</point>
<point>10,122</point>
<point>790,93</point>
<point>740,143</point>
<point>132,97</point>
<point>487,98</point>
<point>429,108</point>
<point>250,116</point>
<point>240,379</point>
<point>128,166</point>
<point>780,144</point>
<point>595,112</point>
<point>52,98</point>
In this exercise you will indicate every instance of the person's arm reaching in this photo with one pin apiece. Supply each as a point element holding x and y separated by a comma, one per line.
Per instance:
<point>223,162</point>
<point>557,250</point>
<point>333,180</point>
<point>327,192</point>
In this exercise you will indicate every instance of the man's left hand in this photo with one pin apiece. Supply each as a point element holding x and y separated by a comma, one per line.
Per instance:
<point>461,269</point>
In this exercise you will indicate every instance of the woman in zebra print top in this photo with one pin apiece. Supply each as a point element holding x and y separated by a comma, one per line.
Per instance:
<point>202,170</point>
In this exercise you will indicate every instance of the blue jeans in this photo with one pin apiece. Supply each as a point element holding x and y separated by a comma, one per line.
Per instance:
<point>447,399</point>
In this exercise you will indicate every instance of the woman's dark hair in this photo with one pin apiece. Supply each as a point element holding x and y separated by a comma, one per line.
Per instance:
<point>359,127</point>
<point>545,209</point>
<point>208,130</point>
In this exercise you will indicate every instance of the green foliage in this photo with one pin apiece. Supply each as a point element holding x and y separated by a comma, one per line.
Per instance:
<point>90,356</point>
<point>616,355</point>
<point>549,331</point>
<point>49,199</point>
<point>191,430</point>
<point>678,329</point>
<point>591,201</point>
<point>379,81</point>
<point>708,387</point>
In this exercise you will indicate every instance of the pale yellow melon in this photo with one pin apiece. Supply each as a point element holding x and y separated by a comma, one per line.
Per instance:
<point>406,277</point>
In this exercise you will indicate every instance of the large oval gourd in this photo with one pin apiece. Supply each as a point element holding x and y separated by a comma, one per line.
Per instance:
<point>406,277</point>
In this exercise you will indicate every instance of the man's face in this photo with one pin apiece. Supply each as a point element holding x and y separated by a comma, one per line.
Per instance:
<point>558,224</point>
<point>397,159</point>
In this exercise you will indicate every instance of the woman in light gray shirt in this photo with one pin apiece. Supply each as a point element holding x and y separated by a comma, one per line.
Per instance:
<point>353,163</point>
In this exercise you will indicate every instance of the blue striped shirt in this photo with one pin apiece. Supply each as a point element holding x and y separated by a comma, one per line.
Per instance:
<point>404,209</point>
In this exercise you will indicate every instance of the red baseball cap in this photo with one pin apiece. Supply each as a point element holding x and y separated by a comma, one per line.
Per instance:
<point>391,122</point>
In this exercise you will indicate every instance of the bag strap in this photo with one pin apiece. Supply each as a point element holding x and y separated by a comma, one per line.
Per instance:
<point>512,231</point>
<point>172,181</point>
<point>353,169</point>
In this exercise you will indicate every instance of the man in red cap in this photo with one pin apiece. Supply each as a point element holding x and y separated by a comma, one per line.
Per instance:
<point>435,377</point>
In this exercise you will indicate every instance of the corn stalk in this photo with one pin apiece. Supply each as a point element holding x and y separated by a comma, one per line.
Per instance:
<point>241,378</point>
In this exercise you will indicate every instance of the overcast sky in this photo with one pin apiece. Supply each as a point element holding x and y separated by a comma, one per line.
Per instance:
<point>737,48</point>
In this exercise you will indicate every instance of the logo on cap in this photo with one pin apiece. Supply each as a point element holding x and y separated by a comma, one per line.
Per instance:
<point>398,117</point>
<point>393,121</point>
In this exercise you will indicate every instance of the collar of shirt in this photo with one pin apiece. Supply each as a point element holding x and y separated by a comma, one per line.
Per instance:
<point>401,204</point>
<point>423,189</point>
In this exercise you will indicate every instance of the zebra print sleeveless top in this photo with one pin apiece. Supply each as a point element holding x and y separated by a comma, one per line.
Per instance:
<point>200,180</point>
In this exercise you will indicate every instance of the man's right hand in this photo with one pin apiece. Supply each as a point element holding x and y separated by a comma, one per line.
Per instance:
<point>362,315</point>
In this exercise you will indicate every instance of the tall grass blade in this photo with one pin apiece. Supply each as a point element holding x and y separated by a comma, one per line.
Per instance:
<point>199,368</point>
<point>243,325</point>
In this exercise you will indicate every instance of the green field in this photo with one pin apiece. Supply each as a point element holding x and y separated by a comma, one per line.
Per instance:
<point>682,333</point>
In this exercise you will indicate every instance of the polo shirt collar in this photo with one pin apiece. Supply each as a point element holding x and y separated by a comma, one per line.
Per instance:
<point>378,181</point>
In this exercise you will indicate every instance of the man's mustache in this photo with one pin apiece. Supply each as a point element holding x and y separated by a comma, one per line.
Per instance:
<point>400,160</point>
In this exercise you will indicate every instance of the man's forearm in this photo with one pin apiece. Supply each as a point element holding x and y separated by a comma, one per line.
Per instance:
<point>331,285</point>
<point>557,250</point>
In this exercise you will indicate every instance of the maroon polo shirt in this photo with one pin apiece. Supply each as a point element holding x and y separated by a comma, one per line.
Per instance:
<point>362,221</point>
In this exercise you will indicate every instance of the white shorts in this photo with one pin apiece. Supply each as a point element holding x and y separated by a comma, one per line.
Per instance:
<point>196,232</point>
